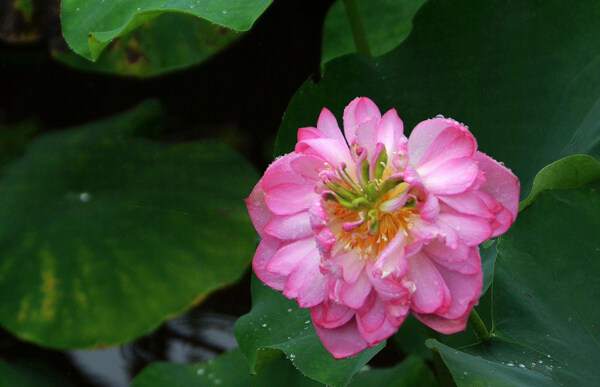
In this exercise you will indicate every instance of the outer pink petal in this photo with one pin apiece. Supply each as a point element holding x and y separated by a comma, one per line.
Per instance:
<point>308,167</point>
<point>289,227</point>
<point>259,213</point>
<point>423,135</point>
<point>328,125</point>
<point>358,111</point>
<point>264,252</point>
<point>472,230</point>
<point>464,288</point>
<point>280,172</point>
<point>372,321</point>
<point>454,142</point>
<point>444,325</point>
<point>463,259</point>
<point>501,183</point>
<point>309,133</point>
<point>289,198</point>
<point>390,132</point>
<point>431,292</point>
<point>332,151</point>
<point>470,203</point>
<point>452,177</point>
<point>289,255</point>
<point>306,283</point>
<point>342,341</point>
<point>330,314</point>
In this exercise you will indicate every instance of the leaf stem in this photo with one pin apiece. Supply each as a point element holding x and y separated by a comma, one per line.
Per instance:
<point>478,326</point>
<point>444,377</point>
<point>357,26</point>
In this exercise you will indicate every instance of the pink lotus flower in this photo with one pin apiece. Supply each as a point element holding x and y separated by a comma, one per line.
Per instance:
<point>367,227</point>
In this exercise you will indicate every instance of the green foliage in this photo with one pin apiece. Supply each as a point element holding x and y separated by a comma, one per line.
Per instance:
<point>104,234</point>
<point>570,172</point>
<point>157,47</point>
<point>523,81</point>
<point>277,323</point>
<point>387,23</point>
<point>30,374</point>
<point>150,37</point>
<point>231,369</point>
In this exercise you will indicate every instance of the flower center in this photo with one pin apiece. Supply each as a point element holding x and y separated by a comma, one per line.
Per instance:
<point>365,215</point>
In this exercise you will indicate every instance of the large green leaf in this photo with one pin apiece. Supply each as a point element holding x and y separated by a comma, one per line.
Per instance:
<point>387,23</point>
<point>104,235</point>
<point>570,172</point>
<point>544,299</point>
<point>231,369</point>
<point>276,324</point>
<point>90,25</point>
<point>524,75</point>
<point>30,374</point>
<point>169,42</point>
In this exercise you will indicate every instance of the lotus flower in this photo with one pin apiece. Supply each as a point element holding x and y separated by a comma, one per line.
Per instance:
<point>367,226</point>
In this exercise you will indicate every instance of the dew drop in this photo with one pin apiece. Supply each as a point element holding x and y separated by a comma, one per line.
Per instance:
<point>84,197</point>
<point>264,325</point>
<point>218,381</point>
<point>200,371</point>
<point>224,11</point>
<point>440,116</point>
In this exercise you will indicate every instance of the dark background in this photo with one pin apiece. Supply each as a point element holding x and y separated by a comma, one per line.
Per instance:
<point>239,96</point>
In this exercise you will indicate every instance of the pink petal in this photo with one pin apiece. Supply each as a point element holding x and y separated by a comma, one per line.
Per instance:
<point>358,111</point>
<point>390,288</point>
<point>289,198</point>
<point>342,341</point>
<point>332,151</point>
<point>350,264</point>
<point>289,227</point>
<point>280,171</point>
<point>309,133</point>
<point>308,167</point>
<point>264,252</point>
<point>289,255</point>
<point>454,142</point>
<point>452,177</point>
<point>463,259</point>
<point>373,323</point>
<point>392,259</point>
<point>259,213</point>
<point>330,314</point>
<point>328,125</point>
<point>464,289</point>
<point>366,135</point>
<point>306,283</point>
<point>354,294</point>
<point>431,293</point>
<point>470,203</point>
<point>390,132</point>
<point>443,325</point>
<point>472,230</point>
<point>423,135</point>
<point>501,183</point>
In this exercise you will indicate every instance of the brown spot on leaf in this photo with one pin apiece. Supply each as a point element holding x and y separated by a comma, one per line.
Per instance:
<point>527,295</point>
